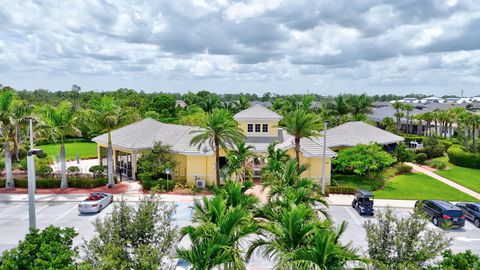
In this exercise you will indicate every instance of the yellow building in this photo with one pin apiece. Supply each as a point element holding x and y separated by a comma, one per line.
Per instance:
<point>259,124</point>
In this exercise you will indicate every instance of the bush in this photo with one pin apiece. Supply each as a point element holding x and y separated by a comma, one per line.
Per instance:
<point>97,171</point>
<point>413,138</point>
<point>437,164</point>
<point>432,147</point>
<point>460,157</point>
<point>45,170</point>
<point>341,189</point>
<point>55,183</point>
<point>2,165</point>
<point>73,169</point>
<point>420,158</point>
<point>404,168</point>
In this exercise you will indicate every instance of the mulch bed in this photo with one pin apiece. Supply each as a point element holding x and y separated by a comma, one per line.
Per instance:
<point>118,189</point>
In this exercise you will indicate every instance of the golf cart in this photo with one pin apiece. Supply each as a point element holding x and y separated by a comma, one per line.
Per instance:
<point>363,202</point>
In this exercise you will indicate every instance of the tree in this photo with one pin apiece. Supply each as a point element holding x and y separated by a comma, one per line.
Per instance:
<point>155,161</point>
<point>389,125</point>
<point>6,101</point>
<point>220,131</point>
<point>20,112</point>
<point>398,106</point>
<point>301,124</point>
<point>131,237</point>
<point>408,108</point>
<point>58,123</point>
<point>107,117</point>
<point>237,160</point>
<point>47,249</point>
<point>164,104</point>
<point>460,261</point>
<point>362,159</point>
<point>403,242</point>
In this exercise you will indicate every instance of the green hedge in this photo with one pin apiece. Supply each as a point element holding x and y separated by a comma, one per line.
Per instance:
<point>148,182</point>
<point>55,183</point>
<point>341,189</point>
<point>460,157</point>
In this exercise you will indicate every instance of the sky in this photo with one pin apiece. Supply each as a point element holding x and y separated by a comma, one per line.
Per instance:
<point>297,46</point>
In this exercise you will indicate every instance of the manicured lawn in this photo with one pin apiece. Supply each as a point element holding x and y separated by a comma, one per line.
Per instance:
<point>467,177</point>
<point>416,186</point>
<point>84,149</point>
<point>357,181</point>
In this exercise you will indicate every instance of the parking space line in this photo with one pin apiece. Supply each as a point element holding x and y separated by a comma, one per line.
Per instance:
<point>65,214</point>
<point>37,211</point>
<point>355,219</point>
<point>469,226</point>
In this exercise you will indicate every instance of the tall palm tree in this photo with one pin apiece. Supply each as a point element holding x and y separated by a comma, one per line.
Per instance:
<point>220,131</point>
<point>107,115</point>
<point>465,119</point>
<point>20,112</point>
<point>475,120</point>
<point>242,103</point>
<point>301,124</point>
<point>6,101</point>
<point>398,106</point>
<point>59,123</point>
<point>237,159</point>
<point>408,108</point>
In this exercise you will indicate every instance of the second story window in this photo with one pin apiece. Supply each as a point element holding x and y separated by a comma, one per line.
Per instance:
<point>257,127</point>
<point>265,128</point>
<point>250,127</point>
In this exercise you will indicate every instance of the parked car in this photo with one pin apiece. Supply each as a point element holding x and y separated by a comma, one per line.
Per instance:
<point>95,202</point>
<point>363,202</point>
<point>471,211</point>
<point>442,212</point>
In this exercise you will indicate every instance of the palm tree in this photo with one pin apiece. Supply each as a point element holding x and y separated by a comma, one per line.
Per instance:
<point>20,112</point>
<point>58,123</point>
<point>237,159</point>
<point>465,119</point>
<point>107,116</point>
<point>398,106</point>
<point>6,101</point>
<point>220,131</point>
<point>475,126</point>
<point>242,103</point>
<point>233,193</point>
<point>408,108</point>
<point>301,124</point>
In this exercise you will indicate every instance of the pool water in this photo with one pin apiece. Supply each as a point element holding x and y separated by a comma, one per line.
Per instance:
<point>183,212</point>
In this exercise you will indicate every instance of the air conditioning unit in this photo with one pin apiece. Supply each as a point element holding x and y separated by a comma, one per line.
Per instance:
<point>200,183</point>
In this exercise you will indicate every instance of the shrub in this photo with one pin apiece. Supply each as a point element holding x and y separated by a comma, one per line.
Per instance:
<point>460,157</point>
<point>420,158</point>
<point>45,170</point>
<point>55,183</point>
<point>97,171</point>
<point>2,165</point>
<point>341,189</point>
<point>403,168</point>
<point>446,144</point>
<point>432,147</point>
<point>437,164</point>
<point>73,169</point>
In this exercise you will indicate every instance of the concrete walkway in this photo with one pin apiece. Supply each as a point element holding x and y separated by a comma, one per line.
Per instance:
<point>444,180</point>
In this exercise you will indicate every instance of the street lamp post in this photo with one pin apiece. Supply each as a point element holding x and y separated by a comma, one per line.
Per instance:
<point>167,171</point>
<point>324,182</point>
<point>31,185</point>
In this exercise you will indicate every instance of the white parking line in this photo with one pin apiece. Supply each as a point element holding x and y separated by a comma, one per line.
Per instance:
<point>355,219</point>
<point>37,211</point>
<point>65,214</point>
<point>469,226</point>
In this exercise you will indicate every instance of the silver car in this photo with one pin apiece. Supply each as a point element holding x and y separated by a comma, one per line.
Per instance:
<point>95,202</point>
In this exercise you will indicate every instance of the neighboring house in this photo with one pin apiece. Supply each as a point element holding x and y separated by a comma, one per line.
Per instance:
<point>353,133</point>
<point>259,124</point>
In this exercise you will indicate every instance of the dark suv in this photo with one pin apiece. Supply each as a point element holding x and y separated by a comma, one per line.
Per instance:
<point>442,212</point>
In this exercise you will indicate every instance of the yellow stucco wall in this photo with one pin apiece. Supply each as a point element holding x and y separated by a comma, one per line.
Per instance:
<point>272,127</point>
<point>314,167</point>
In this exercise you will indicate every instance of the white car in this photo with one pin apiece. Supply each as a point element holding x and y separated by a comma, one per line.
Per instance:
<point>95,203</point>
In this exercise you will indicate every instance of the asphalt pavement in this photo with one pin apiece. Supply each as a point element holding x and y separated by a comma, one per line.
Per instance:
<point>14,225</point>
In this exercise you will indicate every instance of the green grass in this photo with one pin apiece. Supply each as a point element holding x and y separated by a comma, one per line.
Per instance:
<point>467,177</point>
<point>84,149</point>
<point>416,186</point>
<point>358,181</point>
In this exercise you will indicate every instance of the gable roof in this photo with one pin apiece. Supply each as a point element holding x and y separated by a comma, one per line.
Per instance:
<point>353,133</point>
<point>257,112</point>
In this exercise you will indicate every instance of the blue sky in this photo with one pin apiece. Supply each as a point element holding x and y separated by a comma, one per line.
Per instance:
<point>326,47</point>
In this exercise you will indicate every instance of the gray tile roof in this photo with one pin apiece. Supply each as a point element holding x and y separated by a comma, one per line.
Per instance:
<point>353,133</point>
<point>257,112</point>
<point>143,134</point>
<point>382,110</point>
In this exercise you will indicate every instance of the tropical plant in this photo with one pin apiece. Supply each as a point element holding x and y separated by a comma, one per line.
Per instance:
<point>140,237</point>
<point>237,160</point>
<point>220,131</point>
<point>6,101</point>
<point>154,162</point>
<point>58,123</point>
<point>301,124</point>
<point>363,159</point>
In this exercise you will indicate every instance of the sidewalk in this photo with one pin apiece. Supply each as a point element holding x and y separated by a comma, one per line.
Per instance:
<point>444,180</point>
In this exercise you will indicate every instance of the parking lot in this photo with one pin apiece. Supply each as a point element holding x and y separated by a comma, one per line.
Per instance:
<point>14,224</point>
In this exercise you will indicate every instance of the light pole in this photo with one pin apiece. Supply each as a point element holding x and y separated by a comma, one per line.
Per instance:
<point>31,185</point>
<point>167,171</point>
<point>324,182</point>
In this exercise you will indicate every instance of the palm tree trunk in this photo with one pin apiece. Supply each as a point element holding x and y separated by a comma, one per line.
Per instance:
<point>297,151</point>
<point>16,141</point>
<point>9,184</point>
<point>63,167</point>
<point>111,182</point>
<point>475,138</point>
<point>465,136</point>
<point>217,160</point>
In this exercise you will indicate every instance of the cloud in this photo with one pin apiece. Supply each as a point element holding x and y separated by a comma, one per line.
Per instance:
<point>262,44</point>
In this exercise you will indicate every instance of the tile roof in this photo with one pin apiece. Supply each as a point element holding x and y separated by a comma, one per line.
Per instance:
<point>353,133</point>
<point>257,112</point>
